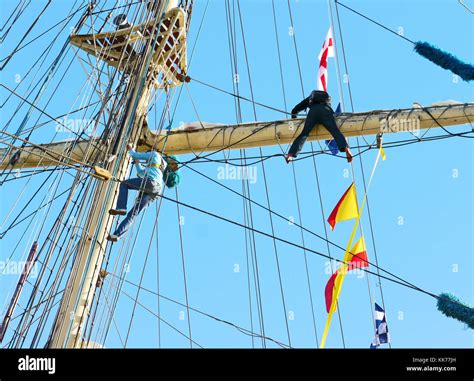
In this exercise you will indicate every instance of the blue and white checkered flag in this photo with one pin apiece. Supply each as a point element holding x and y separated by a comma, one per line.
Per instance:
<point>381,329</point>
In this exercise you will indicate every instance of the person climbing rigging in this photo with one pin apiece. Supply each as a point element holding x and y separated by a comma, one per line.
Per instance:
<point>320,112</point>
<point>149,183</point>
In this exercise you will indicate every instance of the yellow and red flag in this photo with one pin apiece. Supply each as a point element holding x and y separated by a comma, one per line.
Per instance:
<point>358,259</point>
<point>346,208</point>
<point>335,217</point>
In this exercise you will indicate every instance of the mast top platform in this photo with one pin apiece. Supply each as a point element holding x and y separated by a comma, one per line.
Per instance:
<point>123,47</point>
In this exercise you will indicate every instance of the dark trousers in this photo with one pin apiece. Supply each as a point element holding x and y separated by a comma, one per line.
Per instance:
<point>318,114</point>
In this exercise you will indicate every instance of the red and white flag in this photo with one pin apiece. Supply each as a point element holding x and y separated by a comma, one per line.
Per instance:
<point>326,52</point>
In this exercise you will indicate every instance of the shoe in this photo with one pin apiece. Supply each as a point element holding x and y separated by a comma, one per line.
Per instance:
<point>120,212</point>
<point>288,158</point>
<point>348,154</point>
<point>113,238</point>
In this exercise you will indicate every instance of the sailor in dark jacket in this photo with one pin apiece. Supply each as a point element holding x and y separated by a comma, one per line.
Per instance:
<point>320,112</point>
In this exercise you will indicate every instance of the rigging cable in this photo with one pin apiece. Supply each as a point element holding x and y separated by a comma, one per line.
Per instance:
<point>232,37</point>
<point>9,57</point>
<point>201,312</point>
<point>362,173</point>
<point>293,169</point>
<point>184,268</point>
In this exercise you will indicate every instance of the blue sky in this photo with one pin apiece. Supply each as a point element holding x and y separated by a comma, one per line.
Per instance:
<point>420,201</point>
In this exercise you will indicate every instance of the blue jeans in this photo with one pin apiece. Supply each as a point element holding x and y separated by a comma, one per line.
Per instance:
<point>146,195</point>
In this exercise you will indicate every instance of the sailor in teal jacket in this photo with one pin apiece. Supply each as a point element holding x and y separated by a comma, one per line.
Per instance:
<point>149,183</point>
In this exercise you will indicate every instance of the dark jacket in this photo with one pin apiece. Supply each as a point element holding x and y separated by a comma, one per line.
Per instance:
<point>316,97</point>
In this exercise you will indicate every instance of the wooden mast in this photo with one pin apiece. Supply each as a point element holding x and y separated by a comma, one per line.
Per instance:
<point>78,295</point>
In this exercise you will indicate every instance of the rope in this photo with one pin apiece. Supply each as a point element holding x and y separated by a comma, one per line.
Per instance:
<point>232,42</point>
<point>237,96</point>
<point>199,311</point>
<point>399,281</point>
<point>275,213</point>
<point>9,57</point>
<point>265,180</point>
<point>364,183</point>
<point>310,293</point>
<point>373,21</point>
<point>184,268</point>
